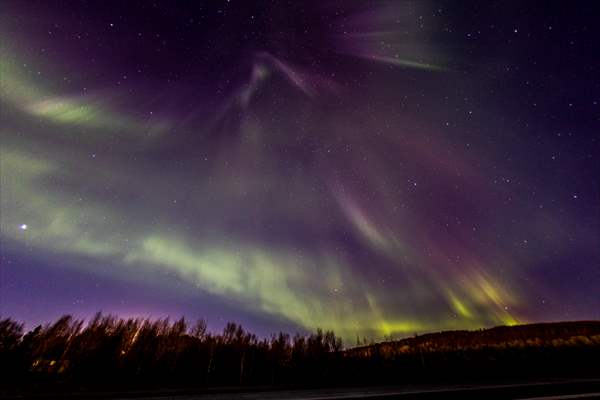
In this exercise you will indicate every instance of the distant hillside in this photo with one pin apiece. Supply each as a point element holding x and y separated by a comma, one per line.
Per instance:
<point>524,352</point>
<point>555,334</point>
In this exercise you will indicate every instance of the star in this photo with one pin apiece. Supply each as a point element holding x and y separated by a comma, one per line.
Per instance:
<point>23,227</point>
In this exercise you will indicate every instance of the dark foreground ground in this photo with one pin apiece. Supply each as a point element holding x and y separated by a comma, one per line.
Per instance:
<point>558,389</point>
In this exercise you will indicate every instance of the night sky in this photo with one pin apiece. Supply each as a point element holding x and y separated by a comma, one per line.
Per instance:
<point>380,168</point>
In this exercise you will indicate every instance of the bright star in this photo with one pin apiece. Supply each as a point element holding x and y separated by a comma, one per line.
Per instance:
<point>23,227</point>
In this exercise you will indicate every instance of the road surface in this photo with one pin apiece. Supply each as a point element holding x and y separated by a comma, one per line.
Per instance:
<point>580,389</point>
<point>552,390</point>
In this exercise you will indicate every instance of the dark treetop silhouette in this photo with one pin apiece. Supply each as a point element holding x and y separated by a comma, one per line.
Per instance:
<point>116,353</point>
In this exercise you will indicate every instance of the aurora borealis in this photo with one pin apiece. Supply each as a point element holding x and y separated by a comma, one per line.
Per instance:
<point>377,168</point>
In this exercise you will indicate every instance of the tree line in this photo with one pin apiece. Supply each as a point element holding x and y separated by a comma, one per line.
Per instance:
<point>142,353</point>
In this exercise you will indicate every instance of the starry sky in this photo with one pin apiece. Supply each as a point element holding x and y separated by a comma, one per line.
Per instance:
<point>379,168</point>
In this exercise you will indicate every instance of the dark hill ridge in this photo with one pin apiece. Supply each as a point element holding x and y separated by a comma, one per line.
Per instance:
<point>553,334</point>
<point>505,353</point>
